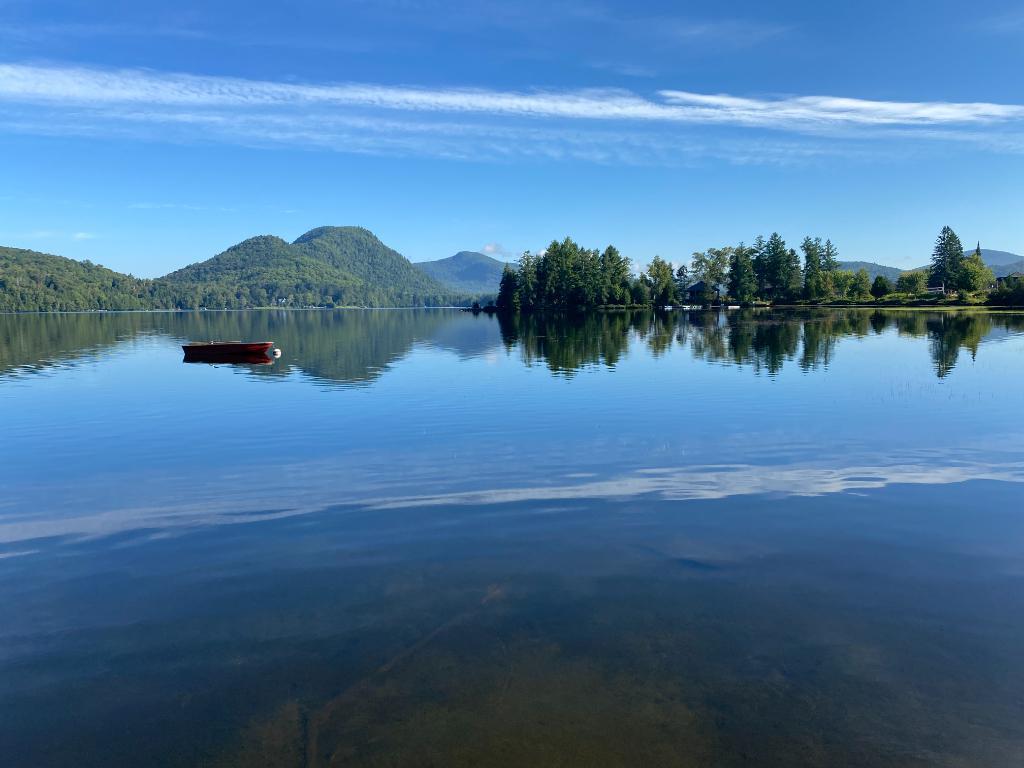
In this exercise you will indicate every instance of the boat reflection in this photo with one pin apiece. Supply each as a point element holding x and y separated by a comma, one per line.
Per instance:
<point>236,358</point>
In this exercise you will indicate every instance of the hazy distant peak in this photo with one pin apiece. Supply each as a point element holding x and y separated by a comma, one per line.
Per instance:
<point>469,271</point>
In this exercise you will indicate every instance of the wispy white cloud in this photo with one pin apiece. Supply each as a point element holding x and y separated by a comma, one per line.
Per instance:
<point>80,86</point>
<point>497,250</point>
<point>599,125</point>
<point>83,236</point>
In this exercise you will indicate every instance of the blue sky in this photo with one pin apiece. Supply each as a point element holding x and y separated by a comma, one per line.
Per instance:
<point>145,136</point>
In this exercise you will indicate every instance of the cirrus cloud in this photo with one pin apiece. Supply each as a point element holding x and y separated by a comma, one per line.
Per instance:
<point>601,125</point>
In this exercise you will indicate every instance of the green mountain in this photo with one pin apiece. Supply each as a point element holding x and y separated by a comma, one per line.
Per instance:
<point>874,270</point>
<point>327,266</point>
<point>359,252</point>
<point>466,271</point>
<point>261,271</point>
<point>35,281</point>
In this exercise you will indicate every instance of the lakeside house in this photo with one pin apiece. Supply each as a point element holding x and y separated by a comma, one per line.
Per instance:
<point>695,293</point>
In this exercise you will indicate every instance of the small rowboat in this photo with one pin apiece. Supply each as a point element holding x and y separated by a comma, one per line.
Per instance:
<point>227,351</point>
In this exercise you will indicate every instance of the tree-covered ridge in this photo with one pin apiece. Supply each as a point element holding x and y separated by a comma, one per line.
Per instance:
<point>360,253</point>
<point>467,271</point>
<point>35,281</point>
<point>329,266</point>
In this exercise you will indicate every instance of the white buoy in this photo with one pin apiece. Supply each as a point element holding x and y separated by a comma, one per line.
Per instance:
<point>277,352</point>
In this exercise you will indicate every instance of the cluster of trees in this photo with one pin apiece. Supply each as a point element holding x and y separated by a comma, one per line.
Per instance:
<point>952,270</point>
<point>771,271</point>
<point>566,276</point>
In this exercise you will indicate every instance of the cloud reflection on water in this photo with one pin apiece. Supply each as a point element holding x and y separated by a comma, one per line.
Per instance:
<point>310,493</point>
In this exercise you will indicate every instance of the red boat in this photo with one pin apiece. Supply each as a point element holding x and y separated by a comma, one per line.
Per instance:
<point>253,352</point>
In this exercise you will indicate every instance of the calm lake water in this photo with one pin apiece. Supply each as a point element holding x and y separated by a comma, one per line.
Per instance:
<point>428,538</point>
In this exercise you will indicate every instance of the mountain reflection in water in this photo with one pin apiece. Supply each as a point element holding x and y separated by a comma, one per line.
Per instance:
<point>355,346</point>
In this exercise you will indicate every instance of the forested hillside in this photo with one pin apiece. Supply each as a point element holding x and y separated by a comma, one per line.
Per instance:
<point>329,266</point>
<point>388,278</point>
<point>33,281</point>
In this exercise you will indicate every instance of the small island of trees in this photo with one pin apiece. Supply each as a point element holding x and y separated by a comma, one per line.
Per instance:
<point>567,276</point>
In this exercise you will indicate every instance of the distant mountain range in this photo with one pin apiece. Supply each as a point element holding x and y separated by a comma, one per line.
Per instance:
<point>1001,263</point>
<point>467,271</point>
<point>874,270</point>
<point>327,266</point>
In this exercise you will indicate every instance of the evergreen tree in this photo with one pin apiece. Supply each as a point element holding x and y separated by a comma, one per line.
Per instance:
<point>777,268</point>
<point>742,284</point>
<point>793,275</point>
<point>509,298</point>
<point>527,281</point>
<point>682,280</point>
<point>760,262</point>
<point>814,283</point>
<point>881,287</point>
<point>947,260</point>
<point>615,277</point>
<point>829,258</point>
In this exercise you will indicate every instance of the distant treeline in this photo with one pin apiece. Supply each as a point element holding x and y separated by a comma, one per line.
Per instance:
<point>566,276</point>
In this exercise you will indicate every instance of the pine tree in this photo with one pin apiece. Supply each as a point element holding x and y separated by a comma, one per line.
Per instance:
<point>742,285</point>
<point>813,282</point>
<point>794,278</point>
<point>509,299</point>
<point>829,258</point>
<point>777,272</point>
<point>947,260</point>
<point>615,277</point>
<point>760,263</point>
<point>682,280</point>
<point>881,287</point>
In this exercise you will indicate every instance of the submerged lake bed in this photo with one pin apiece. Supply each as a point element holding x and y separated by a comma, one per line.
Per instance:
<point>423,537</point>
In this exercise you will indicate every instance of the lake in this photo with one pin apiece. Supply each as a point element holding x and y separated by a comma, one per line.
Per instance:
<point>423,537</point>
